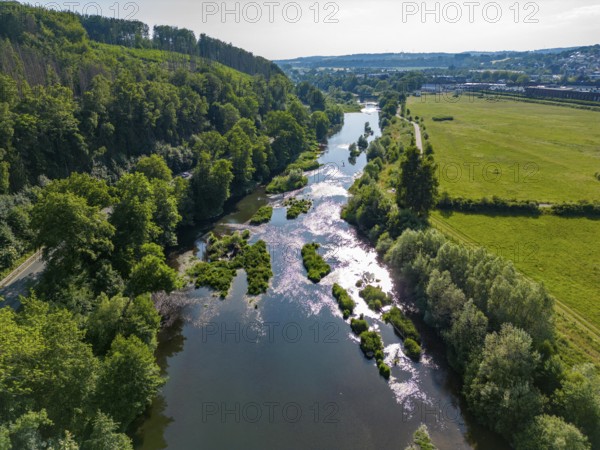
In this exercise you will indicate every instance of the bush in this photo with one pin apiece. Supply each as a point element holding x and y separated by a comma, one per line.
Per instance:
<point>263,215</point>
<point>553,433</point>
<point>226,255</point>
<point>359,326</point>
<point>314,263</point>
<point>384,370</point>
<point>375,297</point>
<point>442,118</point>
<point>294,180</point>
<point>306,161</point>
<point>370,342</point>
<point>257,264</point>
<point>495,205</point>
<point>412,349</point>
<point>403,326</point>
<point>217,275</point>
<point>581,209</point>
<point>344,300</point>
<point>296,207</point>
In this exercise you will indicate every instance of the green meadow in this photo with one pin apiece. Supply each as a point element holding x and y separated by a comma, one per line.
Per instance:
<point>561,253</point>
<point>511,149</point>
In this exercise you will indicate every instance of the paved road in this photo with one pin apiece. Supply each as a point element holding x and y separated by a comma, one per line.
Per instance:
<point>20,280</point>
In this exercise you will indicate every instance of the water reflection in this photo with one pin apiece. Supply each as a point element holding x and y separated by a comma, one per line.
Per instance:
<point>284,370</point>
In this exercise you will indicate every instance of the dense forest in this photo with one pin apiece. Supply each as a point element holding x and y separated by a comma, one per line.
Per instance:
<point>93,140</point>
<point>498,327</point>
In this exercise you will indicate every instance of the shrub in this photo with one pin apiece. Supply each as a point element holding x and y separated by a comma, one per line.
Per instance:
<point>412,349</point>
<point>495,205</point>
<point>370,342</point>
<point>217,275</point>
<point>226,255</point>
<point>384,370</point>
<point>359,326</point>
<point>297,207</point>
<point>263,215</point>
<point>442,118</point>
<point>344,300</point>
<point>375,297</point>
<point>314,263</point>
<point>306,161</point>
<point>403,326</point>
<point>257,264</point>
<point>292,181</point>
<point>581,209</point>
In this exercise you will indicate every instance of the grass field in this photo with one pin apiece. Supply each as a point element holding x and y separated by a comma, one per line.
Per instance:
<point>513,149</point>
<point>561,253</point>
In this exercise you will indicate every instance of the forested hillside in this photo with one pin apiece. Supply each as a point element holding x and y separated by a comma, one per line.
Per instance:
<point>91,135</point>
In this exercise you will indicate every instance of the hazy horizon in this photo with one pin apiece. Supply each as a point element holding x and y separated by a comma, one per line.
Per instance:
<point>288,30</point>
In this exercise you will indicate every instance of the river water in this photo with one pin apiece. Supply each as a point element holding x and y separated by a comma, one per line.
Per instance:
<point>283,371</point>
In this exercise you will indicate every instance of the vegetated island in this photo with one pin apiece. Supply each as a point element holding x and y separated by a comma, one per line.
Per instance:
<point>225,256</point>
<point>263,215</point>
<point>296,206</point>
<point>316,267</point>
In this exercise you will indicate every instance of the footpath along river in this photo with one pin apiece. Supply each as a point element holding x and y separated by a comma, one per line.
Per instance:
<point>283,371</point>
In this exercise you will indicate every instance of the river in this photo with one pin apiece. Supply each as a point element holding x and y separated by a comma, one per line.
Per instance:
<point>283,371</point>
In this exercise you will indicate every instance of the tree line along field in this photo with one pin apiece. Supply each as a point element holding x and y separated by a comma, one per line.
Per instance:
<point>543,153</point>
<point>511,149</point>
<point>559,252</point>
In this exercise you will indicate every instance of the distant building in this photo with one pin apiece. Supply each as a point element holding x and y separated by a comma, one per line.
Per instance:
<point>563,93</point>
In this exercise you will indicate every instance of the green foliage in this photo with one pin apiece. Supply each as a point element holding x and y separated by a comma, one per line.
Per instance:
<point>384,370</point>
<point>551,432</point>
<point>345,303</point>
<point>263,215</point>
<point>375,297</point>
<point>295,207</point>
<point>217,275</point>
<point>293,181</point>
<point>257,264</point>
<point>359,326</point>
<point>320,123</point>
<point>578,401</point>
<point>154,167</point>
<point>122,316</point>
<point>45,365</point>
<point>314,263</point>
<point>105,435</point>
<point>412,349</point>
<point>362,143</point>
<point>96,192</point>
<point>417,186</point>
<point>75,236</point>
<point>500,385</point>
<point>209,187</point>
<point>306,161</point>
<point>442,118</point>
<point>403,326</point>
<point>466,336</point>
<point>227,255</point>
<point>368,209</point>
<point>370,343</point>
<point>132,363</point>
<point>421,440</point>
<point>152,274</point>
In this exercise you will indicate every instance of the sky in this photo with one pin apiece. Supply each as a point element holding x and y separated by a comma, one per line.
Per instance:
<point>280,29</point>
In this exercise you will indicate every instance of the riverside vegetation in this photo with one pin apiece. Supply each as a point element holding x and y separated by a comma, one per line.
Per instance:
<point>498,326</point>
<point>225,256</point>
<point>91,134</point>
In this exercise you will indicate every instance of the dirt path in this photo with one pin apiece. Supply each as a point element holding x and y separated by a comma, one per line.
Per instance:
<point>418,135</point>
